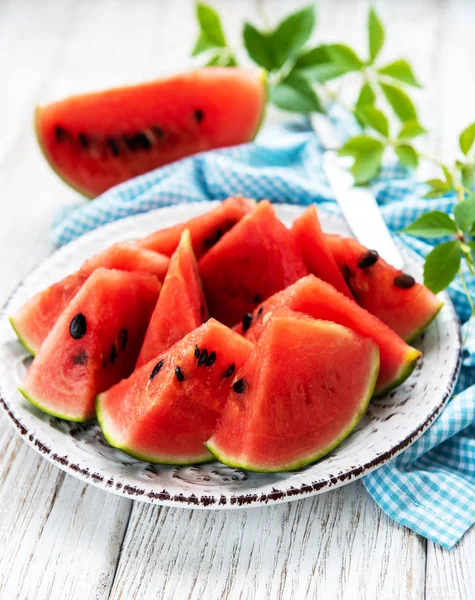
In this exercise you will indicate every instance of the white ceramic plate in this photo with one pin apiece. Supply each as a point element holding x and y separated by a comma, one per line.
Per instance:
<point>390,424</point>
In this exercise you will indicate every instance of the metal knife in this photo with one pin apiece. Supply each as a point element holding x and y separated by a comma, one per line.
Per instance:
<point>358,205</point>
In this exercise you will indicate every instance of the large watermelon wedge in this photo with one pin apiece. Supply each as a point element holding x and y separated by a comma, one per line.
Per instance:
<point>35,319</point>
<point>169,407</point>
<point>98,140</point>
<point>293,402</point>
<point>93,345</point>
<point>320,300</point>
<point>181,306</point>
<point>310,238</point>
<point>255,259</point>
<point>406,306</point>
<point>206,229</point>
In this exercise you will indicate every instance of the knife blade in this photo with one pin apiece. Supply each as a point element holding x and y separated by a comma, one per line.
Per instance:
<point>357,203</point>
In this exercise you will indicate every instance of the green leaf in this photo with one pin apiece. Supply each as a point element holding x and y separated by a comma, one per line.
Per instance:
<point>411,129</point>
<point>441,266</point>
<point>399,101</point>
<point>372,117</point>
<point>295,94</point>
<point>375,34</point>
<point>366,96</point>
<point>464,213</point>
<point>222,59</point>
<point>408,157</point>
<point>467,173</point>
<point>211,31</point>
<point>400,70</point>
<point>259,47</point>
<point>432,224</point>
<point>438,188</point>
<point>472,247</point>
<point>448,177</point>
<point>316,64</point>
<point>467,138</point>
<point>345,57</point>
<point>367,166</point>
<point>292,33</point>
<point>359,145</point>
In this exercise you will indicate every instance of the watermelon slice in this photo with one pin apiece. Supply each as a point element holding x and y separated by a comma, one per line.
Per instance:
<point>257,258</point>
<point>98,140</point>
<point>206,229</point>
<point>310,238</point>
<point>407,307</point>
<point>169,407</point>
<point>292,402</point>
<point>93,345</point>
<point>35,319</point>
<point>320,300</point>
<point>181,306</point>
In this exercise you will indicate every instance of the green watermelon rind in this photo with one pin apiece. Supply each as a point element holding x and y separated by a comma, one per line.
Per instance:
<point>21,337</point>
<point>164,460</point>
<point>48,411</point>
<point>423,327</point>
<point>405,371</point>
<point>309,459</point>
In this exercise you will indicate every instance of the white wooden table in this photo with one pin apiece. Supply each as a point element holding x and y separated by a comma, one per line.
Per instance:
<point>62,539</point>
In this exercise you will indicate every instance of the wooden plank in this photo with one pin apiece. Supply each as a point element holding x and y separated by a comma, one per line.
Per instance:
<point>335,545</point>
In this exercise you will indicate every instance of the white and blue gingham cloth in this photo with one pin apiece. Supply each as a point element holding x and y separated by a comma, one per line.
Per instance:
<point>430,487</point>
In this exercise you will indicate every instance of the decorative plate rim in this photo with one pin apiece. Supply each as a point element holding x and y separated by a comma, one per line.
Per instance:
<point>210,501</point>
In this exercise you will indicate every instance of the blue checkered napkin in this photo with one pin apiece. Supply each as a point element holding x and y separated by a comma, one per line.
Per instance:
<point>431,486</point>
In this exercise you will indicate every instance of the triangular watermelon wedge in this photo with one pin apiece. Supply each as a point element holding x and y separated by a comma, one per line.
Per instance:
<point>35,319</point>
<point>93,345</point>
<point>320,300</point>
<point>293,400</point>
<point>169,407</point>
<point>181,306</point>
<point>310,238</point>
<point>407,307</point>
<point>206,229</point>
<point>257,258</point>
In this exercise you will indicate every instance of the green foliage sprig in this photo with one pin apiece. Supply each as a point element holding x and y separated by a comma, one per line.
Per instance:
<point>300,75</point>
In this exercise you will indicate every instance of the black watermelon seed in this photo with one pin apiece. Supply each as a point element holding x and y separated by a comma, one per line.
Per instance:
<point>347,274</point>
<point>199,115</point>
<point>129,142</point>
<point>156,369</point>
<point>113,146</point>
<point>80,358</point>
<point>257,299</point>
<point>113,354</point>
<point>211,359</point>
<point>123,339</point>
<point>404,281</point>
<point>179,374</point>
<point>203,357</point>
<point>260,311</point>
<point>246,321</point>
<point>229,371</point>
<point>60,133</point>
<point>197,352</point>
<point>239,386</point>
<point>142,141</point>
<point>78,326</point>
<point>368,259</point>
<point>158,131</point>
<point>83,140</point>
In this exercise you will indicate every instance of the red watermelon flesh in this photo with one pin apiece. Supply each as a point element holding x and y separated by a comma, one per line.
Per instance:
<point>310,238</point>
<point>292,402</point>
<point>257,258</point>
<point>181,306</point>
<point>205,229</point>
<point>169,407</point>
<point>95,141</point>
<point>93,345</point>
<point>407,307</point>
<point>35,319</point>
<point>320,300</point>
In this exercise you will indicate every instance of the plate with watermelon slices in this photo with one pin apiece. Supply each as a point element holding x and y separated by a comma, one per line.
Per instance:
<point>224,355</point>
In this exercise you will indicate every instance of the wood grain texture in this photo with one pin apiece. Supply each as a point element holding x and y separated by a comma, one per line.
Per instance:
<point>62,539</point>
